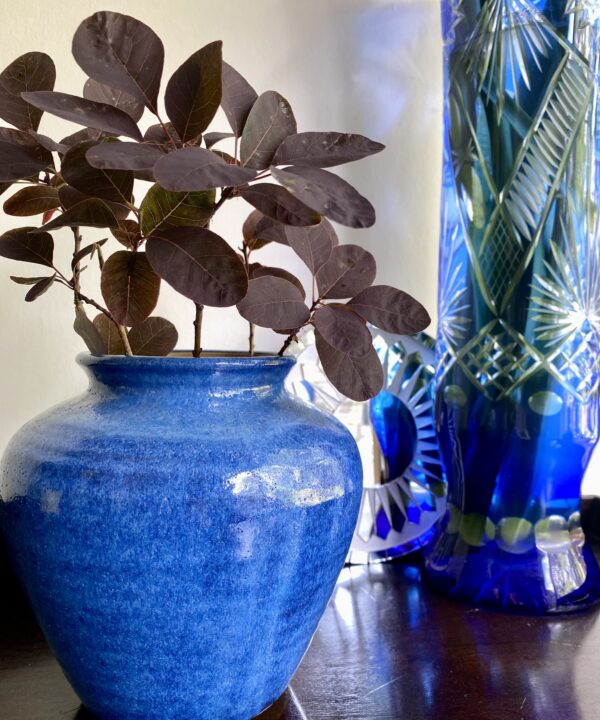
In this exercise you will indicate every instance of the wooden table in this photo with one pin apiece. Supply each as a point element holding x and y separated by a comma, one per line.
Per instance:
<point>388,648</point>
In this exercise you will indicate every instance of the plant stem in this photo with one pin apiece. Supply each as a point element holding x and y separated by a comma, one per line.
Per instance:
<point>124,339</point>
<point>198,330</point>
<point>290,339</point>
<point>76,271</point>
<point>246,253</point>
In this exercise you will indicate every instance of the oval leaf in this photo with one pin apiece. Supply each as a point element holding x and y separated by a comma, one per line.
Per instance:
<point>237,98</point>
<point>85,112</point>
<point>358,378</point>
<point>48,143</point>
<point>124,156</point>
<point>269,122</point>
<point>32,201</point>
<point>21,156</point>
<point>91,212</point>
<point>277,203</point>
<point>349,270</point>
<point>343,329</point>
<point>111,340</point>
<point>275,303</point>
<point>89,333</point>
<point>313,244</point>
<point>257,270</point>
<point>193,93</point>
<point>324,149</point>
<point>39,288</point>
<point>213,138</point>
<point>259,231</point>
<point>155,336</point>
<point>122,52</point>
<point>30,72</point>
<point>100,93</point>
<point>130,287</point>
<point>328,194</point>
<point>22,244</point>
<point>128,233</point>
<point>113,185</point>
<point>193,169</point>
<point>162,209</point>
<point>199,264</point>
<point>391,310</point>
<point>160,135</point>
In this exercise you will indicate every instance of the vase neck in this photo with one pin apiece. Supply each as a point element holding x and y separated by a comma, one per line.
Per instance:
<point>207,378</point>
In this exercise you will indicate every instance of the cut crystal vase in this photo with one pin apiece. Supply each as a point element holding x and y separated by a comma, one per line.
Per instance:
<point>518,358</point>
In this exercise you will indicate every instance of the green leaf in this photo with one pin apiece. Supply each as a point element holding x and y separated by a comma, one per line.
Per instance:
<point>269,122</point>
<point>32,201</point>
<point>162,209</point>
<point>193,93</point>
<point>22,244</point>
<point>130,287</point>
<point>32,71</point>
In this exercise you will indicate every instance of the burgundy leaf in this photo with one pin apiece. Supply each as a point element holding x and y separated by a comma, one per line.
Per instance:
<point>122,52</point>
<point>391,310</point>
<point>348,271</point>
<point>48,143</point>
<point>324,149</point>
<point>193,169</point>
<point>124,156</point>
<point>32,71</point>
<point>32,200</point>
<point>88,250</point>
<point>21,156</point>
<point>193,93</point>
<point>90,212</point>
<point>113,185</point>
<point>343,329</point>
<point>237,99</point>
<point>157,134</point>
<point>155,336</point>
<point>259,231</point>
<point>98,92</point>
<point>75,138</point>
<point>127,233</point>
<point>358,378</point>
<point>213,138</point>
<point>26,280</point>
<point>257,270</point>
<point>313,244</point>
<point>328,194</point>
<point>269,122</point>
<point>85,112</point>
<point>39,288</point>
<point>275,303</point>
<point>22,244</point>
<point>277,203</point>
<point>89,333</point>
<point>198,264</point>
<point>130,287</point>
<point>109,335</point>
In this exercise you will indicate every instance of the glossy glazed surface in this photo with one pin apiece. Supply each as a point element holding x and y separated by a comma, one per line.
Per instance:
<point>179,529</point>
<point>519,334</point>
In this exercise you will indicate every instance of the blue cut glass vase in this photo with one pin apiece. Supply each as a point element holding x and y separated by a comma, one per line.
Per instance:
<point>518,358</point>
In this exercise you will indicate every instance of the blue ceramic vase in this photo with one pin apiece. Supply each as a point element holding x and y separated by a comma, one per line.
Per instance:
<point>179,529</point>
<point>518,366</point>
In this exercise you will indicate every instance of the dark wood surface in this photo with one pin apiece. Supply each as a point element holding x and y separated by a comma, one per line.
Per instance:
<point>387,648</point>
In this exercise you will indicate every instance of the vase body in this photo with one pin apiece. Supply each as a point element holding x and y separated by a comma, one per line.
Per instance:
<point>179,530</point>
<point>518,346</point>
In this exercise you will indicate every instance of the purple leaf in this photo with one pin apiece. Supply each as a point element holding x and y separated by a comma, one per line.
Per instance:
<point>348,271</point>
<point>193,169</point>
<point>21,244</point>
<point>90,212</point>
<point>391,310</point>
<point>124,156</point>
<point>98,92</point>
<point>113,185</point>
<point>358,378</point>
<point>21,156</point>
<point>193,93</point>
<point>270,121</point>
<point>257,270</point>
<point>259,231</point>
<point>109,335</point>
<point>48,143</point>
<point>237,99</point>
<point>88,250</point>
<point>32,71</point>
<point>39,288</point>
<point>89,333</point>
<point>122,52</point>
<point>275,303</point>
<point>84,112</point>
<point>32,200</point>
<point>198,264</point>
<point>154,337</point>
<point>277,203</point>
<point>324,149</point>
<point>328,194</point>
<point>343,329</point>
<point>213,138</point>
<point>130,287</point>
<point>156,134</point>
<point>313,244</point>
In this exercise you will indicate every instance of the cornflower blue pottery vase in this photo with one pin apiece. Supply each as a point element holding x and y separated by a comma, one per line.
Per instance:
<point>518,352</point>
<point>179,529</point>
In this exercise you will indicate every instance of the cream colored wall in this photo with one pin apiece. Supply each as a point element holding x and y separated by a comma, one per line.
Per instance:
<point>364,66</point>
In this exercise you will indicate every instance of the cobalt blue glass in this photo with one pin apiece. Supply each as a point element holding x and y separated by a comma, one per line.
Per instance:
<point>179,529</point>
<point>518,358</point>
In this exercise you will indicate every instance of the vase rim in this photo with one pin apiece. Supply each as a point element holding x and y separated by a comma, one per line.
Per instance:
<point>222,360</point>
